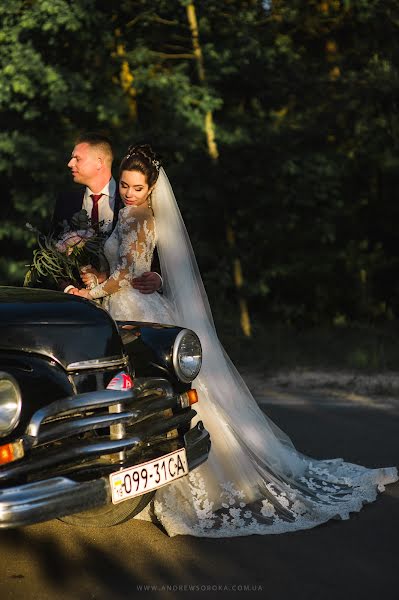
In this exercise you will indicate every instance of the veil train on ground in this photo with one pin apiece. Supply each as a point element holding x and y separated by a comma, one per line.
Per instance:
<point>254,481</point>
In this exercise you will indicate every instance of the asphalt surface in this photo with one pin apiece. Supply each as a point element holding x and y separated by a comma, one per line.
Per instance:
<point>354,559</point>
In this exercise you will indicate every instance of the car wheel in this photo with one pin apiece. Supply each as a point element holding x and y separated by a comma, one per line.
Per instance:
<point>112,514</point>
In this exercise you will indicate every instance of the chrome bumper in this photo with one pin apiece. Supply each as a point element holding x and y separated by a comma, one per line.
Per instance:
<point>60,496</point>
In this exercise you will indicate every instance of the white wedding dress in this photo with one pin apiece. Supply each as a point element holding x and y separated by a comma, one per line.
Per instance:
<point>254,481</point>
<point>129,251</point>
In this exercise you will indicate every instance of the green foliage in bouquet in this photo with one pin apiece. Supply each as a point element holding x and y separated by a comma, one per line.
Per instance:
<point>59,258</point>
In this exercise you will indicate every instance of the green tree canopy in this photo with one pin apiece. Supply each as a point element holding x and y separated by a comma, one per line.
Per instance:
<point>304,97</point>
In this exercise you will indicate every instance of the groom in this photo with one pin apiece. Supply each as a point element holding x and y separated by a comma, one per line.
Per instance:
<point>90,165</point>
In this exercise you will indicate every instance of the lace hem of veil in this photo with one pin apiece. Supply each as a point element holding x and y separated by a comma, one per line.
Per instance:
<point>183,508</point>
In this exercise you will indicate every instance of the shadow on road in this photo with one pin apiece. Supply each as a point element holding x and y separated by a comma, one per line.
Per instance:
<point>351,559</point>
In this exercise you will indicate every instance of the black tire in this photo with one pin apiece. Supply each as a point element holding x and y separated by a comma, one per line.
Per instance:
<point>110,515</point>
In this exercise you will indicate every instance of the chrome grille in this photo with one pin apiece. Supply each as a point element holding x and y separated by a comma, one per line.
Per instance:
<point>79,431</point>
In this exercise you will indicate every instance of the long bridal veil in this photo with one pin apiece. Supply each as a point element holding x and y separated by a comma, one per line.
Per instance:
<point>254,480</point>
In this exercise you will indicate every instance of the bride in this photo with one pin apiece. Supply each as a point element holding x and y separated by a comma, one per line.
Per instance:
<point>254,481</point>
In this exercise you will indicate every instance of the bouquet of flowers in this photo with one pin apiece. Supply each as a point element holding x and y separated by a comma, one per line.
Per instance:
<point>60,258</point>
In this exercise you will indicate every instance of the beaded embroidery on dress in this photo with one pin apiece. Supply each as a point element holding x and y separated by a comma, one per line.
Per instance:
<point>254,481</point>
<point>129,251</point>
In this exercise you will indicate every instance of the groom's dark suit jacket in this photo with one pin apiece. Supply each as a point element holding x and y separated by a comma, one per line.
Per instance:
<point>70,202</point>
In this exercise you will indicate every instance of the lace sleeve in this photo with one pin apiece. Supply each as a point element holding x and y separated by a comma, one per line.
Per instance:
<point>136,236</point>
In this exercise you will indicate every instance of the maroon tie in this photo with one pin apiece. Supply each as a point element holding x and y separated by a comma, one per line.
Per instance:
<point>94,210</point>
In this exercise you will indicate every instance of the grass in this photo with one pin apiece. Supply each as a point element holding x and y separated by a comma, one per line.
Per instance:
<point>357,347</point>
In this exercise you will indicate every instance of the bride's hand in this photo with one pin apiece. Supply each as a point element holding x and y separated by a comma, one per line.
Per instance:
<point>102,276</point>
<point>89,276</point>
<point>83,293</point>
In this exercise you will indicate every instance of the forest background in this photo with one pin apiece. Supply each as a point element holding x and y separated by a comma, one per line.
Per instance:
<point>278,125</point>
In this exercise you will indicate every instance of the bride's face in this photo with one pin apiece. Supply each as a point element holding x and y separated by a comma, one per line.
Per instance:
<point>133,188</point>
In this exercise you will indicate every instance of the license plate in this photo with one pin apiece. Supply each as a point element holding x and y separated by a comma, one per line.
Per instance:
<point>148,476</point>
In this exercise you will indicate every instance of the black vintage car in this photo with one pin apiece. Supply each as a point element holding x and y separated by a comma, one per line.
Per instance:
<point>94,414</point>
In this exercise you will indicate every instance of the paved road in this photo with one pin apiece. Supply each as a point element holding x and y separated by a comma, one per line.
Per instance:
<point>355,559</point>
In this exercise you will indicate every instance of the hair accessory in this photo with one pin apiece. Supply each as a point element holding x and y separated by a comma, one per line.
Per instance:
<point>155,162</point>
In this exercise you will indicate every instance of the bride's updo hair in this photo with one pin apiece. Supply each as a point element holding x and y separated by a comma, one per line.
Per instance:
<point>141,158</point>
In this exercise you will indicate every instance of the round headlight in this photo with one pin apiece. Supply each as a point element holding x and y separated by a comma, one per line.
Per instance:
<point>187,355</point>
<point>10,403</point>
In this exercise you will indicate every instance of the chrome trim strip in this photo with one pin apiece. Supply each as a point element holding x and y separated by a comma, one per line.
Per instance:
<point>99,363</point>
<point>57,497</point>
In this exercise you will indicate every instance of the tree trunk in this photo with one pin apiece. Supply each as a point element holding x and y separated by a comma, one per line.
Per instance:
<point>126,77</point>
<point>213,152</point>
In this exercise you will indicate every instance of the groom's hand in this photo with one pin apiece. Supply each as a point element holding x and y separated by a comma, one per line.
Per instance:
<point>147,283</point>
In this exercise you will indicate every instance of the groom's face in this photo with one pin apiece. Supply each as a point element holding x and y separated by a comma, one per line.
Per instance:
<point>84,164</point>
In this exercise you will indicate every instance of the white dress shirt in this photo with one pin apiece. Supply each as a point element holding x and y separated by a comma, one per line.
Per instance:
<point>106,204</point>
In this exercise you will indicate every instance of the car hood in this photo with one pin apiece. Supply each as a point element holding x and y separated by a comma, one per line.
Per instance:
<point>60,326</point>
